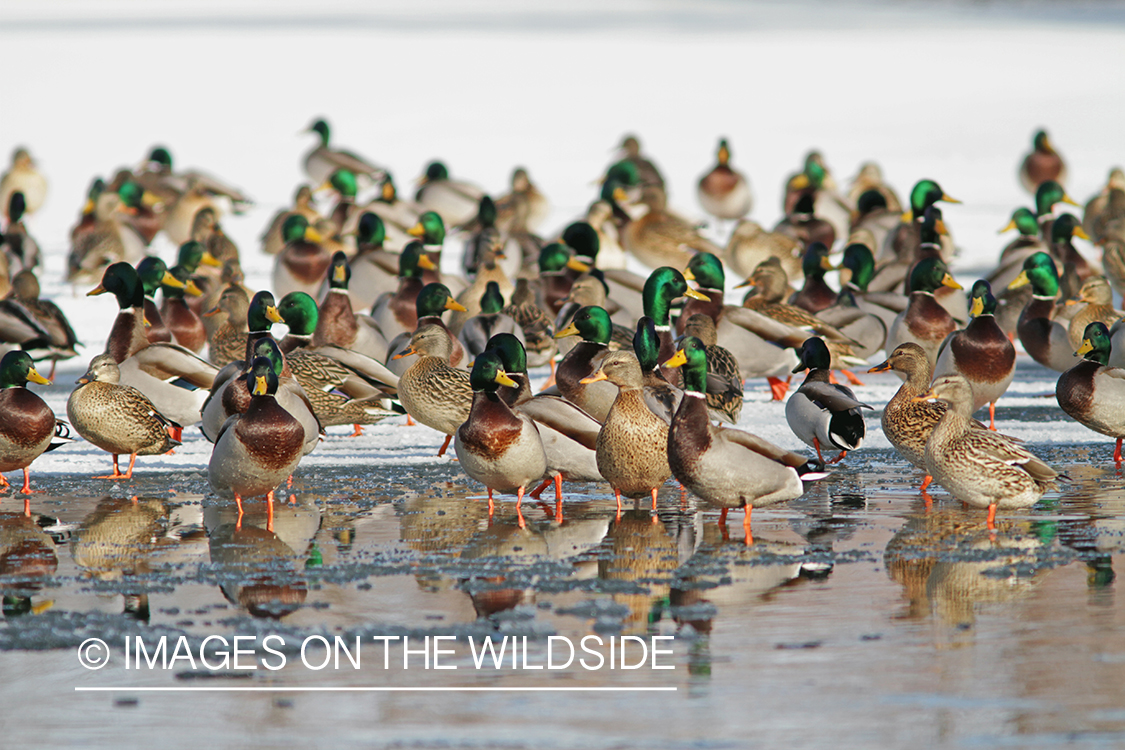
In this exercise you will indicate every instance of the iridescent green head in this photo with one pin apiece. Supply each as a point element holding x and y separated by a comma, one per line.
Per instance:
<point>371,231</point>
<point>1023,220</point>
<point>814,170</point>
<point>262,313</point>
<point>662,286</point>
<point>261,380</point>
<point>1096,345</point>
<point>412,261</point>
<point>706,270</point>
<point>151,271</point>
<point>592,323</point>
<point>183,283</point>
<point>926,193</point>
<point>320,127</point>
<point>646,344</point>
<point>162,156</point>
<point>191,254</point>
<point>513,356</point>
<point>813,355</point>
<point>692,358</point>
<point>430,229</point>
<point>553,257</point>
<point>583,239</point>
<point>121,280</point>
<point>1039,271</point>
<point>131,193</point>
<point>436,170</point>
<point>486,212</point>
<point>298,310</point>
<point>815,262</point>
<point>434,299</point>
<point>859,259</point>
<point>296,228</point>
<point>343,181</point>
<point>1066,227</point>
<point>492,301</point>
<point>982,302</point>
<point>17,369</point>
<point>929,274</point>
<point>488,374</point>
<point>1047,195</point>
<point>1042,142</point>
<point>266,348</point>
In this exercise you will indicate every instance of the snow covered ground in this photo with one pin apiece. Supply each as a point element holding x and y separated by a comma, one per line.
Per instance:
<point>947,91</point>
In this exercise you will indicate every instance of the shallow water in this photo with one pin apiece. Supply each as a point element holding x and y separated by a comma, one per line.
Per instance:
<point>858,615</point>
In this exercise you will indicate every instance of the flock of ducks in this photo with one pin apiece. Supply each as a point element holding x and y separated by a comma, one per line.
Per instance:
<point>644,368</point>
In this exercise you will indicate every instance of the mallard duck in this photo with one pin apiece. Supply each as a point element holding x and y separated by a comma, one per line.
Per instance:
<point>725,467</point>
<point>907,420</point>
<point>632,447</point>
<point>338,324</point>
<point>538,330</point>
<point>228,342</point>
<point>569,435</point>
<point>491,320</point>
<point>28,427</point>
<point>144,210</point>
<point>398,215</point>
<point>980,467</point>
<point>582,361</point>
<point>646,172</point>
<point>1092,392</point>
<point>1043,337</point>
<point>107,240</point>
<point>723,192</point>
<point>255,451</point>
<point>903,242</point>
<point>623,288</point>
<point>1104,214</point>
<point>981,353</point>
<point>870,178</point>
<point>432,391</point>
<point>430,230</point>
<point>345,212</point>
<point>396,312</point>
<point>815,294</point>
<point>924,321</point>
<point>665,285</point>
<point>850,316</point>
<point>524,208</point>
<point>186,327</point>
<point>1096,300</point>
<point>611,256</point>
<point>821,413</point>
<point>804,226</point>
<point>24,177</point>
<point>454,200</point>
<point>1048,195</point>
<point>558,270</point>
<point>489,271</point>
<point>750,244</point>
<point>117,418</point>
<point>873,215</point>
<point>662,397</point>
<point>61,338</point>
<point>323,160</point>
<point>303,264</point>
<point>272,240</point>
<point>152,272</point>
<point>206,230</point>
<point>1063,231</point>
<point>230,394</point>
<point>16,243</point>
<point>496,446</point>
<point>661,238</point>
<point>811,198</point>
<point>1043,163</point>
<point>724,381</point>
<point>484,237</point>
<point>432,301</point>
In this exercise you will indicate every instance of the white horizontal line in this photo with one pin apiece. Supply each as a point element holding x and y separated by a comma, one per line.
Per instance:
<point>271,689</point>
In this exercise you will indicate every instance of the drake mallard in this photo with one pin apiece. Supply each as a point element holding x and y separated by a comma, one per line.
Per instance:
<point>1043,163</point>
<point>186,327</point>
<point>815,294</point>
<point>489,321</point>
<point>662,397</point>
<point>488,271</point>
<point>873,215</point>
<point>152,272</point>
<point>981,353</point>
<point>558,270</point>
<point>814,210</point>
<point>646,172</point>
<point>496,446</point>
<point>345,212</point>
<point>821,413</point>
<point>323,160</point>
<point>725,467</point>
<point>907,420</point>
<point>28,427</point>
<point>1043,337</point>
<point>430,230</point>
<point>632,447</point>
<point>398,215</point>
<point>902,243</point>
<point>664,286</point>
<point>256,450</point>
<point>594,326</point>
<point>272,240</point>
<point>1063,231</point>
<point>980,467</point>
<point>750,244</point>
<point>16,243</point>
<point>395,312</point>
<point>569,435</point>
<point>485,238</point>
<point>117,418</point>
<point>23,176</point>
<point>432,391</point>
<point>724,380</point>
<point>303,264</point>
<point>723,192</point>
<point>455,201</point>
<point>805,226</point>
<point>924,321</point>
<point>338,325</point>
<point>1092,392</point>
<point>433,300</point>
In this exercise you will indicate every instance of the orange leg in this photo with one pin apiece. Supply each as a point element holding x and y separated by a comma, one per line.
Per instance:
<point>535,493</point>
<point>27,483</point>
<point>617,493</point>
<point>1117,451</point>
<point>778,387</point>
<point>444,445</point>
<point>289,481</point>
<point>558,489</point>
<point>992,516</point>
<point>851,377</point>
<point>816,445</point>
<point>558,509</point>
<point>653,499</point>
<point>409,421</point>
<point>3,482</point>
<point>992,416</point>
<point>519,510</point>
<point>839,458</point>
<point>551,379</point>
<point>746,524</point>
<point>925,483</point>
<point>832,377</point>
<point>51,374</point>
<point>491,504</point>
<point>117,471</point>
<point>358,431</point>
<point>269,511</point>
<point>238,503</point>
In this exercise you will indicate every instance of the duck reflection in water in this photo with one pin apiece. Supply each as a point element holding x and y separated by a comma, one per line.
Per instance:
<point>27,558</point>
<point>261,567</point>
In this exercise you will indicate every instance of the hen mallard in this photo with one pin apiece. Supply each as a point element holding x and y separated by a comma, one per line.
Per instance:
<point>981,353</point>
<point>593,325</point>
<point>302,265</point>
<point>661,238</point>
<point>455,201</point>
<point>1043,337</point>
<point>725,467</point>
<point>105,240</point>
<point>538,330</point>
<point>632,447</point>
<point>28,427</point>
<point>924,321</point>
<point>524,208</point>
<point>980,467</point>
<point>117,418</point>
<point>323,160</point>
<point>256,450</point>
<point>1092,392</point>
<point>1043,163</point>
<point>1104,214</point>
<point>821,413</point>
<point>750,244</point>
<point>723,192</point>
<point>61,339</point>
<point>1096,298</point>
<point>24,177</point>
<point>496,446</point>
<point>432,391</point>
<point>814,294</point>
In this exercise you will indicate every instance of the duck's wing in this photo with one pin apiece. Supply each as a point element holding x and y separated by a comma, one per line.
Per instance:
<point>832,397</point>
<point>565,417</point>
<point>169,362</point>
<point>760,446</point>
